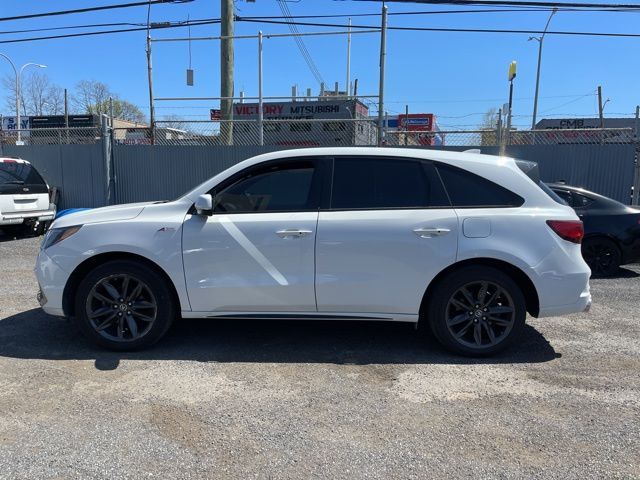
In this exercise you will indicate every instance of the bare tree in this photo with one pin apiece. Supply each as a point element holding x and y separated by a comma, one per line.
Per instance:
<point>92,97</point>
<point>173,121</point>
<point>38,95</point>
<point>489,120</point>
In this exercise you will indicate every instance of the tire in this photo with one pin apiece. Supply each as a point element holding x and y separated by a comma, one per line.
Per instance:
<point>124,305</point>
<point>42,228</point>
<point>602,255</point>
<point>476,303</point>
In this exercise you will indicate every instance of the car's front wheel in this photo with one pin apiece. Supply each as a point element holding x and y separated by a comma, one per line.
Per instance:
<point>476,311</point>
<point>124,305</point>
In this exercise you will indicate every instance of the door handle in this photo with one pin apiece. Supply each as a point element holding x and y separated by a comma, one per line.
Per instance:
<point>430,232</point>
<point>295,233</point>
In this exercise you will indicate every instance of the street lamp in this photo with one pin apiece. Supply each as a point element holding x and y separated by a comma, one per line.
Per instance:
<point>18,75</point>
<point>539,40</point>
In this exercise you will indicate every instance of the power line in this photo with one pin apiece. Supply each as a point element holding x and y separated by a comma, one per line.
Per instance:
<point>153,26</point>
<point>463,30</point>
<point>284,8</point>
<point>446,12</point>
<point>90,9</point>
<point>524,3</point>
<point>71,27</point>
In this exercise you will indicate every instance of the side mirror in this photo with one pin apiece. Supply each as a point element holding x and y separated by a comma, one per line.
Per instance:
<point>204,205</point>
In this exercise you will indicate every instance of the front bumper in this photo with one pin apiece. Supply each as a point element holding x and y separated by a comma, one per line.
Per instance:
<point>51,280</point>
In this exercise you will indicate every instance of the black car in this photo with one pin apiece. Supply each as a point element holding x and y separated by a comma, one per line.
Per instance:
<point>612,230</point>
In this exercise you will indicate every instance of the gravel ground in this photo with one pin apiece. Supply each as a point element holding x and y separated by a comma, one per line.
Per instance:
<point>300,400</point>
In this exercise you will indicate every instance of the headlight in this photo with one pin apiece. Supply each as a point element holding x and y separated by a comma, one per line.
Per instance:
<point>56,235</point>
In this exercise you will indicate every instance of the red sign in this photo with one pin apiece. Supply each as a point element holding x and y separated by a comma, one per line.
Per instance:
<point>214,113</point>
<point>419,122</point>
<point>416,122</point>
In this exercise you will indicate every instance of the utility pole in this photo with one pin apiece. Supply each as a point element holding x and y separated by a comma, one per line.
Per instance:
<point>226,71</point>
<point>540,40</point>
<point>260,106</point>
<point>152,115</point>
<point>383,55</point>
<point>348,85</point>
<point>511,76</point>
<point>635,195</point>
<point>600,108</point>
<point>405,124</point>
<point>66,114</point>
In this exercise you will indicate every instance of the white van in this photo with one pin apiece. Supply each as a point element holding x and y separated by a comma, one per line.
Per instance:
<point>24,197</point>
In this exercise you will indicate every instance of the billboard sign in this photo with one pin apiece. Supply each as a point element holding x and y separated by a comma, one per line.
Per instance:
<point>9,123</point>
<point>416,122</point>
<point>421,123</point>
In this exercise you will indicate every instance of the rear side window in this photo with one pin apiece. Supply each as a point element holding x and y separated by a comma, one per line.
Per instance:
<point>560,196</point>
<point>15,176</point>
<point>580,201</point>
<point>377,183</point>
<point>466,189</point>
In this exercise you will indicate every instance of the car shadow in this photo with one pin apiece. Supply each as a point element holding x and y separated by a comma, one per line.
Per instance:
<point>622,272</point>
<point>36,335</point>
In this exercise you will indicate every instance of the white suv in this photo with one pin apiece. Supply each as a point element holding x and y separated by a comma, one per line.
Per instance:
<point>461,242</point>
<point>24,196</point>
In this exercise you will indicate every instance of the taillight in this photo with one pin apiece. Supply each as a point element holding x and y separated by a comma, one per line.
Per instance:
<point>569,230</point>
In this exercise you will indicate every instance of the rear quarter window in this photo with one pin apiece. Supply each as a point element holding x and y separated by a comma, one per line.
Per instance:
<point>466,189</point>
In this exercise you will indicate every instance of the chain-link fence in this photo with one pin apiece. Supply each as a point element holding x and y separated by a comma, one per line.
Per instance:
<point>51,136</point>
<point>287,133</point>
<point>353,132</point>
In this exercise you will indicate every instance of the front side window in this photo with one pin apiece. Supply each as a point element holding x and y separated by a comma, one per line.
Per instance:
<point>466,189</point>
<point>282,188</point>
<point>371,183</point>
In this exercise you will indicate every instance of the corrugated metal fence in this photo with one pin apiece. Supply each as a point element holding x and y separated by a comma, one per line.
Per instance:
<point>77,170</point>
<point>164,172</point>
<point>161,172</point>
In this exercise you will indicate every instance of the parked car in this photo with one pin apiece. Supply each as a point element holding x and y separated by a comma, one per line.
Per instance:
<point>462,243</point>
<point>612,230</point>
<point>24,197</point>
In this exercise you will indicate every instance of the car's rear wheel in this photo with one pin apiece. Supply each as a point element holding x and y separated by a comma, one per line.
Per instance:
<point>476,311</point>
<point>602,255</point>
<point>124,305</point>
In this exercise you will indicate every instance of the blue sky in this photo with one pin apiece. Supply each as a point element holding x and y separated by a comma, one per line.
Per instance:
<point>457,76</point>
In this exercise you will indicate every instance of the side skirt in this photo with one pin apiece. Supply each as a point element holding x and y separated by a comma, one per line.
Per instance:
<point>385,317</point>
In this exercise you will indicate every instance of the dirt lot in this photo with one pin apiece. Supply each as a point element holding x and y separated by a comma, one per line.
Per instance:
<point>300,400</point>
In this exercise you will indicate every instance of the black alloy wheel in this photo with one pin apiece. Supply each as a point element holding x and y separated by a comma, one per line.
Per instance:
<point>480,314</point>
<point>602,255</point>
<point>125,305</point>
<point>476,310</point>
<point>121,308</point>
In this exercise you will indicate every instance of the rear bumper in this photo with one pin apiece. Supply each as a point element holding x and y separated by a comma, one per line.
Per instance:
<point>16,218</point>
<point>582,305</point>
<point>562,281</point>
